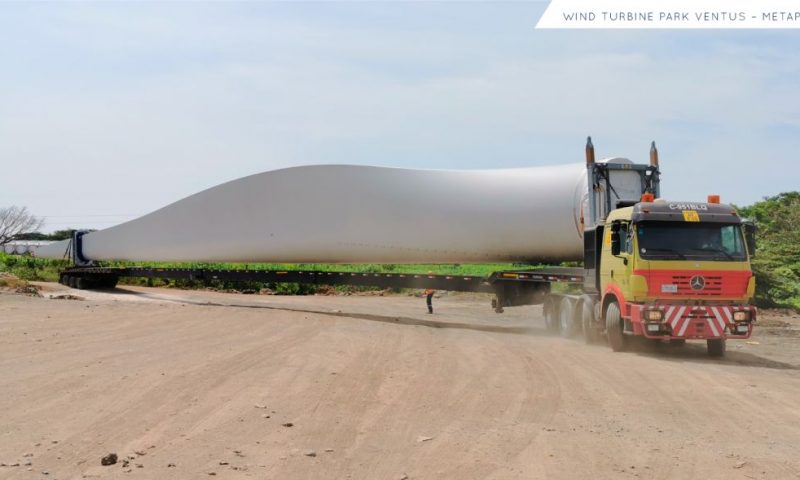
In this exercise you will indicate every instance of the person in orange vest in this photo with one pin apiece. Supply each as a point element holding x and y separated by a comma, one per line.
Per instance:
<point>429,296</point>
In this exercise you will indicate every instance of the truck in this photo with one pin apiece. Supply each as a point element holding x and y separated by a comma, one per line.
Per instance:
<point>652,269</point>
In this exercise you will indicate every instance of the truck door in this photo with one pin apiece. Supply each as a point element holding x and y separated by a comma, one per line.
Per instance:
<point>617,266</point>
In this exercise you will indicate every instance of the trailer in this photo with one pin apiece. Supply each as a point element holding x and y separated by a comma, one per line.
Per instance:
<point>653,269</point>
<point>510,288</point>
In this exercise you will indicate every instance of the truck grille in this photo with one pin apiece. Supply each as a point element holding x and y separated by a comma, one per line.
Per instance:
<point>713,285</point>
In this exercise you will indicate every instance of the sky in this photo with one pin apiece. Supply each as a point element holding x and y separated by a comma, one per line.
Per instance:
<point>111,110</point>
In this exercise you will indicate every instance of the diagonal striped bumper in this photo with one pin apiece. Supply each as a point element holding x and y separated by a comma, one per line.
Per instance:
<point>693,321</point>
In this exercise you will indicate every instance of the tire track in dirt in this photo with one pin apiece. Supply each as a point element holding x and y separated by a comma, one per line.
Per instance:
<point>499,399</point>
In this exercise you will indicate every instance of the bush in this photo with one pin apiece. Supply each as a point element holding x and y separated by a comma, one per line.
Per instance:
<point>31,268</point>
<point>776,264</point>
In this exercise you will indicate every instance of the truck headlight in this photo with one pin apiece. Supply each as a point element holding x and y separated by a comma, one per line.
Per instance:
<point>654,315</point>
<point>741,316</point>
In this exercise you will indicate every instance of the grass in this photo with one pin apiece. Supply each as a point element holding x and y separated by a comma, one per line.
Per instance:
<point>29,268</point>
<point>38,269</point>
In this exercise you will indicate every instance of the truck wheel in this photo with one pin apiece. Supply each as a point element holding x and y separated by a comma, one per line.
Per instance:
<point>82,283</point>
<point>716,347</point>
<point>586,312</point>
<point>551,315</point>
<point>566,319</point>
<point>72,282</point>
<point>615,328</point>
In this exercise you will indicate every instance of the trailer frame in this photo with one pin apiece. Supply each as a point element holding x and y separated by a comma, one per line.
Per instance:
<point>511,287</point>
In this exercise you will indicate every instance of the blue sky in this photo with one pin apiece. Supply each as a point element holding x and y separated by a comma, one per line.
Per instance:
<point>112,110</point>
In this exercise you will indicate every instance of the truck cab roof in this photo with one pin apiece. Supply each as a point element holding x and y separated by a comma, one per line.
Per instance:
<point>620,214</point>
<point>666,211</point>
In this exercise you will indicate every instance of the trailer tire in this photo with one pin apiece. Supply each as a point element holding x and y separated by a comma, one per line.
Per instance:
<point>72,282</point>
<point>83,283</point>
<point>716,347</point>
<point>551,314</point>
<point>567,327</point>
<point>588,324</point>
<point>615,328</point>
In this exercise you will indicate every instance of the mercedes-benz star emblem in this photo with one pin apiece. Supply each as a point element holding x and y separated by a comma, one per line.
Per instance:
<point>697,282</point>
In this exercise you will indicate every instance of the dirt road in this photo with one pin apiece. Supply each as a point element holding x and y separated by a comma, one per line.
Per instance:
<point>235,386</point>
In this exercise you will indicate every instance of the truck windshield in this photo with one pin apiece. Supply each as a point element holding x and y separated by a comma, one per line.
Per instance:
<point>695,241</point>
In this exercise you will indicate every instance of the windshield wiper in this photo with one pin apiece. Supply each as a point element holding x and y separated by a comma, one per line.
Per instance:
<point>716,250</point>
<point>666,250</point>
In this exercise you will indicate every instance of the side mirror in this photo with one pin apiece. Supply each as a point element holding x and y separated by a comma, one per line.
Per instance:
<point>749,228</point>
<point>615,244</point>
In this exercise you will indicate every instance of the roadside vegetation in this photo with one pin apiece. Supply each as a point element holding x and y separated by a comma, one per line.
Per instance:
<point>777,260</point>
<point>301,289</point>
<point>26,267</point>
<point>39,269</point>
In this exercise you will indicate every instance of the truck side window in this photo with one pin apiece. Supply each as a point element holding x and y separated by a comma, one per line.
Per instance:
<point>629,240</point>
<point>624,241</point>
<point>731,240</point>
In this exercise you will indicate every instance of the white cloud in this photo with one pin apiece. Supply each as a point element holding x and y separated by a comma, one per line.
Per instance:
<point>166,105</point>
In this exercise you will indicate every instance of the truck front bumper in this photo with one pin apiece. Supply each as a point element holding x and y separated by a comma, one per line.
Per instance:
<point>693,321</point>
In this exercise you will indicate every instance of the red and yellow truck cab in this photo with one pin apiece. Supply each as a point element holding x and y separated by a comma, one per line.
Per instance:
<point>677,271</point>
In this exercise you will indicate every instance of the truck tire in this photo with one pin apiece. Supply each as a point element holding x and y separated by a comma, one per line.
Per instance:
<point>567,327</point>
<point>588,324</point>
<point>72,282</point>
<point>615,328</point>
<point>716,347</point>
<point>82,283</point>
<point>551,314</point>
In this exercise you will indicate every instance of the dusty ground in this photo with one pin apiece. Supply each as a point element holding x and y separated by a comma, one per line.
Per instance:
<point>376,389</point>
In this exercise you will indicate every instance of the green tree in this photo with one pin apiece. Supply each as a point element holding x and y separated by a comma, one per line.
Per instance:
<point>777,260</point>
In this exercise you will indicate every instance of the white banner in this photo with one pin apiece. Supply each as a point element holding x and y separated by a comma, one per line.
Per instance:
<point>678,14</point>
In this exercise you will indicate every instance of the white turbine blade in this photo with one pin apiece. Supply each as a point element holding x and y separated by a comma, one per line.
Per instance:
<point>344,214</point>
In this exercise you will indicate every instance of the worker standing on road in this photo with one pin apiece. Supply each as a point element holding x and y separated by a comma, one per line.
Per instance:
<point>429,296</point>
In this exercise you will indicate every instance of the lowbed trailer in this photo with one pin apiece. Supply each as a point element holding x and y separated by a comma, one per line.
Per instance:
<point>653,269</point>
<point>509,287</point>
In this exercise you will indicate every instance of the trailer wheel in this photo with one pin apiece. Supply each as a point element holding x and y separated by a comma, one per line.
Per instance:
<point>588,324</point>
<point>566,319</point>
<point>615,328</point>
<point>64,280</point>
<point>551,314</point>
<point>716,347</point>
<point>72,282</point>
